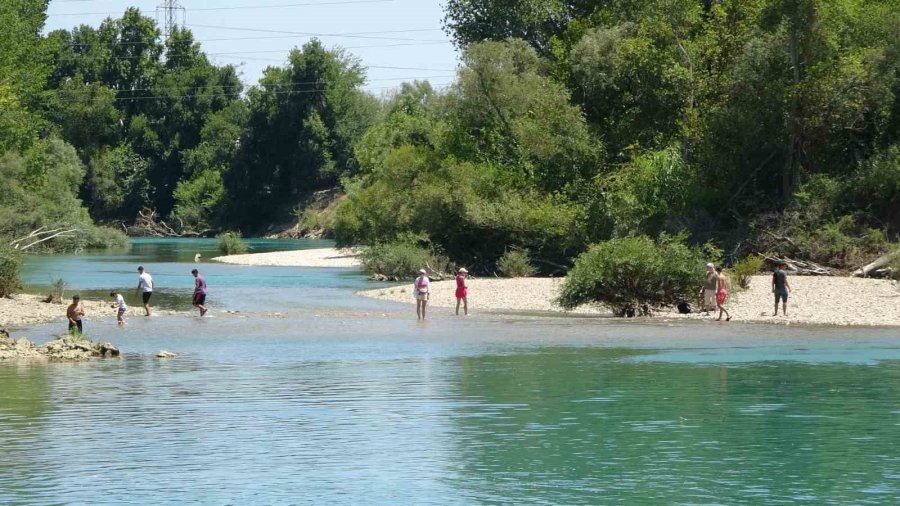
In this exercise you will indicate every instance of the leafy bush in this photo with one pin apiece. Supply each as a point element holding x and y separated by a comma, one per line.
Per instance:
<point>636,272</point>
<point>401,260</point>
<point>516,263</point>
<point>198,201</point>
<point>746,267</point>
<point>10,271</point>
<point>230,243</point>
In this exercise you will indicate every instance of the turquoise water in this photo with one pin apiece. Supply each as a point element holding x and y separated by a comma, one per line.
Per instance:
<point>307,394</point>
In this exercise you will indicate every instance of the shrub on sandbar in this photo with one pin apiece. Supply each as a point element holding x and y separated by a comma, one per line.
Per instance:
<point>230,243</point>
<point>400,260</point>
<point>637,273</point>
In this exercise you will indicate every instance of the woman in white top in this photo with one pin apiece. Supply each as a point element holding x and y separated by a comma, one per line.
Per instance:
<point>421,290</point>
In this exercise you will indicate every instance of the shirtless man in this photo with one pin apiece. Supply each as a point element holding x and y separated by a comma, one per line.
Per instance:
<point>74,313</point>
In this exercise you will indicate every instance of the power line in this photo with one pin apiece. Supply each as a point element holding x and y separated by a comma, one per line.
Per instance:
<point>238,94</point>
<point>291,84</point>
<point>356,35</point>
<point>270,37</point>
<point>387,67</point>
<point>308,4</point>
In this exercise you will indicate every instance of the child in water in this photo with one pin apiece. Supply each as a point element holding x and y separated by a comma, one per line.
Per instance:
<point>120,304</point>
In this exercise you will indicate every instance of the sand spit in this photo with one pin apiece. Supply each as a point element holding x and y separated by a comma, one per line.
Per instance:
<point>322,257</point>
<point>815,300</point>
<point>491,294</point>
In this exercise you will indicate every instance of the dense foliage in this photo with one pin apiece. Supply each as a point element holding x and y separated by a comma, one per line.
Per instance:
<point>401,259</point>
<point>10,271</point>
<point>762,125</point>
<point>636,273</point>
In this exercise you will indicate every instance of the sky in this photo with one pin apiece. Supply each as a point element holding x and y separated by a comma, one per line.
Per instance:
<point>253,34</point>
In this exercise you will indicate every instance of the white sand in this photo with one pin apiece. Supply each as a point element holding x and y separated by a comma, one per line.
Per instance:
<point>23,310</point>
<point>820,301</point>
<point>490,294</point>
<point>323,257</point>
<point>815,300</point>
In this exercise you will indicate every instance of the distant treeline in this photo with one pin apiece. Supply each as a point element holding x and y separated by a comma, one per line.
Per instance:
<point>759,125</point>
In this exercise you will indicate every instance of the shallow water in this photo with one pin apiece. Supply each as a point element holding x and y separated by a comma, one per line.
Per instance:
<point>311,395</point>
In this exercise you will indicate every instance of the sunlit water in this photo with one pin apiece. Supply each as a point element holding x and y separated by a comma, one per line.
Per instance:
<point>308,394</point>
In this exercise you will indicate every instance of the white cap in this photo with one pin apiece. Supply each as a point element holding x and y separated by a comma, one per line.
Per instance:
<point>422,271</point>
<point>710,266</point>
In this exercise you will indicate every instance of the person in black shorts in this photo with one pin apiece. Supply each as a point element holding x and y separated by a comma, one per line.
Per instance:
<point>781,287</point>
<point>145,286</point>
<point>74,313</point>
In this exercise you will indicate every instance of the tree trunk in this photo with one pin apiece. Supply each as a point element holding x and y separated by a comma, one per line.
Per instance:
<point>790,172</point>
<point>877,264</point>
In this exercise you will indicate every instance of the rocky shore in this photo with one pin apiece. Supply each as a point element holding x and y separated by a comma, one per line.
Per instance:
<point>23,310</point>
<point>64,348</point>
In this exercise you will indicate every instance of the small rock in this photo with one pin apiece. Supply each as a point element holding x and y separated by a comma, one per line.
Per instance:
<point>166,354</point>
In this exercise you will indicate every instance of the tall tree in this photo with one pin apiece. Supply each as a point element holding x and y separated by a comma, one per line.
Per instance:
<point>304,120</point>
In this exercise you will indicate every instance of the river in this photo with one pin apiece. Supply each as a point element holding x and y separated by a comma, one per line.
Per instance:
<point>304,393</point>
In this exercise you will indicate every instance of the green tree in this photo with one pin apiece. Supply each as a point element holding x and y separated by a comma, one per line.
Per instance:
<point>304,120</point>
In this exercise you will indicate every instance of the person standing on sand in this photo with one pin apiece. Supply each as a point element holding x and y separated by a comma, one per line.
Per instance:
<point>120,306</point>
<point>710,288</point>
<point>781,287</point>
<point>421,290</point>
<point>145,287</point>
<point>462,290</point>
<point>721,295</point>
<point>74,313</point>
<point>199,292</point>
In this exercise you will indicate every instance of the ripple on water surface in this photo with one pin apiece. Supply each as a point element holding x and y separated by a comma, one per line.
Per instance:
<point>341,400</point>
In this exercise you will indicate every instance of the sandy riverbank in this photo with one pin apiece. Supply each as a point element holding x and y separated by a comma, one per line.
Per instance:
<point>815,300</point>
<point>24,310</point>
<point>322,257</point>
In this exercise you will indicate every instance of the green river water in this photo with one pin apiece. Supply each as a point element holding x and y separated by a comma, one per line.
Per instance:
<point>308,394</point>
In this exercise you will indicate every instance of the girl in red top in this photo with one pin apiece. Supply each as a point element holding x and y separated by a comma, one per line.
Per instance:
<point>462,290</point>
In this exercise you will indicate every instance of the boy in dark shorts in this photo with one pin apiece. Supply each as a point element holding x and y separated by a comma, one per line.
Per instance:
<point>781,287</point>
<point>145,286</point>
<point>74,313</point>
<point>199,292</point>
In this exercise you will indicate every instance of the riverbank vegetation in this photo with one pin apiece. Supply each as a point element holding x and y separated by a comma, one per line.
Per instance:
<point>755,125</point>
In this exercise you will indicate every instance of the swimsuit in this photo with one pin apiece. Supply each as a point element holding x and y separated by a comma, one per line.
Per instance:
<point>721,295</point>
<point>461,291</point>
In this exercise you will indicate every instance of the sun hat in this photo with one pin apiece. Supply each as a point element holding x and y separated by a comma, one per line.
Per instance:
<point>463,269</point>
<point>422,271</point>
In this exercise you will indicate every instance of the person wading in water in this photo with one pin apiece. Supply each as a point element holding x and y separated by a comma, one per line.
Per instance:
<point>421,290</point>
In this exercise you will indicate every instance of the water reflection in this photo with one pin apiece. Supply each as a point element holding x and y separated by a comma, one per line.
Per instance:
<point>309,394</point>
<point>586,428</point>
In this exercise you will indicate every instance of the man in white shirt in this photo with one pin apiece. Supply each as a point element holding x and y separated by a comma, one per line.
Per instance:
<point>145,286</point>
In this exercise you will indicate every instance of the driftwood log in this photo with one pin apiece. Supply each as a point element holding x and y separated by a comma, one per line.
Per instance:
<point>39,236</point>
<point>799,267</point>
<point>876,267</point>
<point>148,223</point>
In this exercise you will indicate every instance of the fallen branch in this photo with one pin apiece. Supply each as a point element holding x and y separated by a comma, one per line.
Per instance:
<point>40,235</point>
<point>877,264</point>
<point>799,267</point>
